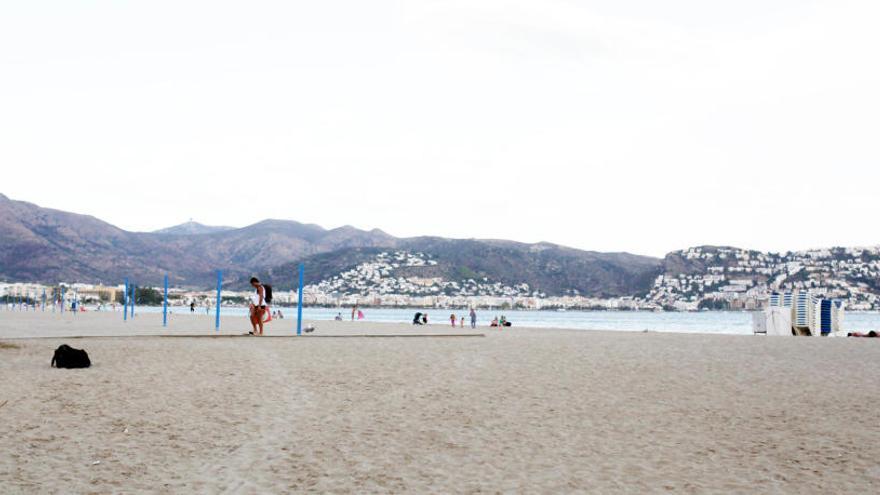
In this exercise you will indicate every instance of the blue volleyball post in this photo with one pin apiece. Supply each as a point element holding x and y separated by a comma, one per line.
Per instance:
<point>125,302</point>
<point>217,315</point>
<point>299,305</point>
<point>75,301</point>
<point>165,304</point>
<point>133,293</point>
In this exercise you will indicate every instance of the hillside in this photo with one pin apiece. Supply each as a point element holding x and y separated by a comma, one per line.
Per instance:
<point>431,266</point>
<point>44,245</point>
<point>723,273</point>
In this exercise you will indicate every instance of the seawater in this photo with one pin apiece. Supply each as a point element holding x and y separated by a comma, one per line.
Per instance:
<point>722,322</point>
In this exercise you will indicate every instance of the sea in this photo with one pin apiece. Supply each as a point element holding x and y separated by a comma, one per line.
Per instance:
<point>721,322</point>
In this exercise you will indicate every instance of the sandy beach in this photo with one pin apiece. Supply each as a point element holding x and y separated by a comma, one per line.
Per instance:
<point>521,410</point>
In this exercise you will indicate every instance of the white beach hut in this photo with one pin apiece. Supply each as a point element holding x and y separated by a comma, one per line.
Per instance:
<point>775,320</point>
<point>779,321</point>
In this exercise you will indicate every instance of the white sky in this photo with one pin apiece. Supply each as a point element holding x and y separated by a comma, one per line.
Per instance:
<point>637,125</point>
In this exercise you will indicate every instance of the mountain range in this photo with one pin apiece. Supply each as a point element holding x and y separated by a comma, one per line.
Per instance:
<point>45,245</point>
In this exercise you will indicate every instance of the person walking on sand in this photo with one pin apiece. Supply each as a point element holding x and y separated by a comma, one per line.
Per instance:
<point>452,319</point>
<point>192,307</point>
<point>258,306</point>
<point>473,318</point>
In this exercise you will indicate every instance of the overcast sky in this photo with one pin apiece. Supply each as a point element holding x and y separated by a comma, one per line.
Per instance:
<point>638,125</point>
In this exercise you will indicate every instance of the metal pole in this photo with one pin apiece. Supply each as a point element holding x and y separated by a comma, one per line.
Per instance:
<point>299,305</point>
<point>133,293</point>
<point>165,304</point>
<point>44,299</point>
<point>63,290</point>
<point>125,302</point>
<point>217,315</point>
<point>75,301</point>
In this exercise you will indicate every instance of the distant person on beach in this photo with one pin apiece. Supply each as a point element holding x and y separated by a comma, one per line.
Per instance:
<point>461,321</point>
<point>494,322</point>
<point>338,317</point>
<point>473,318</point>
<point>424,318</point>
<point>452,319</point>
<point>258,306</point>
<point>354,310</point>
<point>192,307</point>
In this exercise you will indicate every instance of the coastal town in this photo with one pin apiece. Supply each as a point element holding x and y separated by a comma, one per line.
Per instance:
<point>699,278</point>
<point>730,278</point>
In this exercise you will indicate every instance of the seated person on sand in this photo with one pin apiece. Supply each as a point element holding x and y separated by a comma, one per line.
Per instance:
<point>417,319</point>
<point>494,322</point>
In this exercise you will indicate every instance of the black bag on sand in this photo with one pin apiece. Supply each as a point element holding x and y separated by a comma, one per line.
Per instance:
<point>68,357</point>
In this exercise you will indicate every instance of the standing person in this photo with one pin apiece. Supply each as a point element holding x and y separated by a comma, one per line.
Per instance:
<point>192,307</point>
<point>461,321</point>
<point>258,306</point>
<point>354,310</point>
<point>452,319</point>
<point>473,318</point>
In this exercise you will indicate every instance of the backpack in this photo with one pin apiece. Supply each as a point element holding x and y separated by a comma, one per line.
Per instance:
<point>68,357</point>
<point>267,293</point>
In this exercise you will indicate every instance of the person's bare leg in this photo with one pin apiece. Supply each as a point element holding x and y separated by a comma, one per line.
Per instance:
<point>259,314</point>
<point>253,320</point>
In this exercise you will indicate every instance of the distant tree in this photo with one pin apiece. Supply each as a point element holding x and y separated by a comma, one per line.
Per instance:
<point>148,296</point>
<point>714,304</point>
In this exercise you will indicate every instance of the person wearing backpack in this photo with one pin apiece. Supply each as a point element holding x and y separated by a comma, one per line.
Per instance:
<point>259,303</point>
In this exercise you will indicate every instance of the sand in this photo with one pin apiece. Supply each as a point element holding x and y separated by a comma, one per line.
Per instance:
<point>521,410</point>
